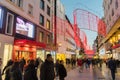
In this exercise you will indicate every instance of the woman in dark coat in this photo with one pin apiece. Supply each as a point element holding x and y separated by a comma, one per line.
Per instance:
<point>15,73</point>
<point>62,71</point>
<point>6,70</point>
<point>30,72</point>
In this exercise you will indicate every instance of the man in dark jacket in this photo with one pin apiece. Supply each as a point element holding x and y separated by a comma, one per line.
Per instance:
<point>112,66</point>
<point>0,68</point>
<point>47,69</point>
<point>62,71</point>
<point>30,72</point>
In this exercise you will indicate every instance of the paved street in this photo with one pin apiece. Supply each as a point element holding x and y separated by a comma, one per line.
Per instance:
<point>76,75</point>
<point>107,74</point>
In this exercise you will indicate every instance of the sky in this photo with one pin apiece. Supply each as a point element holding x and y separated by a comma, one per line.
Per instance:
<point>93,6</point>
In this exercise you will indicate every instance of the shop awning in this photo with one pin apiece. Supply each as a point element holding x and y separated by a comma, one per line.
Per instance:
<point>116,46</point>
<point>23,42</point>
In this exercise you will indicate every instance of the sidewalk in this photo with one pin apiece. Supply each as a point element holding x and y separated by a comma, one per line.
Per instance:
<point>74,74</point>
<point>104,73</point>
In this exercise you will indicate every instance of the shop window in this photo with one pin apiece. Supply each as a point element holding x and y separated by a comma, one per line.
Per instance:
<point>41,54</point>
<point>7,55</point>
<point>42,4</point>
<point>9,23</point>
<point>41,20</point>
<point>48,25</point>
<point>20,3</point>
<point>30,9</point>
<point>41,36</point>
<point>48,10</point>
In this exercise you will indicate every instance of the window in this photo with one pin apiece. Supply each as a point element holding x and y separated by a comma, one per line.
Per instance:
<point>112,12</point>
<point>42,20</point>
<point>30,9</point>
<point>110,1</point>
<point>42,4</point>
<point>48,25</point>
<point>48,10</point>
<point>12,1</point>
<point>48,39</point>
<point>9,23</point>
<point>48,0</point>
<point>116,4</point>
<point>20,3</point>
<point>41,36</point>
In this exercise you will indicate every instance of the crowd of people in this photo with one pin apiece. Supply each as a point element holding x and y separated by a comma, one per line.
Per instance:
<point>48,70</point>
<point>34,69</point>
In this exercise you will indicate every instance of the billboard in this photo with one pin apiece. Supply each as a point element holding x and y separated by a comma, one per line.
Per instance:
<point>24,28</point>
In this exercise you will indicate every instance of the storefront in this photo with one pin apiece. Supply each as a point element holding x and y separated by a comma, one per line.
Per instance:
<point>6,48</point>
<point>27,49</point>
<point>41,54</point>
<point>61,56</point>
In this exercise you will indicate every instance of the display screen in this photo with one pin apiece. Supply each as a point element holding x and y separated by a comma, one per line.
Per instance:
<point>24,28</point>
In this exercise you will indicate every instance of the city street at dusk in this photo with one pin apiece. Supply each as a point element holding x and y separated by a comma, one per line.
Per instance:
<point>59,39</point>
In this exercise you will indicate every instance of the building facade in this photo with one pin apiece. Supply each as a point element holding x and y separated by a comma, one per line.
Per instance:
<point>112,20</point>
<point>64,33</point>
<point>26,29</point>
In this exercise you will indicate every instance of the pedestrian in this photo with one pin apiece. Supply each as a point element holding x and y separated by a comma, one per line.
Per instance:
<point>15,72</point>
<point>62,71</point>
<point>0,68</point>
<point>80,64</point>
<point>57,67</point>
<point>30,71</point>
<point>22,64</point>
<point>9,63</point>
<point>47,69</point>
<point>112,67</point>
<point>6,69</point>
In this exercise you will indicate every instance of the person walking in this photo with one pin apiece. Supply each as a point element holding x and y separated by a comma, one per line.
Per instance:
<point>30,71</point>
<point>22,63</point>
<point>80,64</point>
<point>62,71</point>
<point>0,68</point>
<point>57,67</point>
<point>15,72</point>
<point>6,69</point>
<point>112,67</point>
<point>47,69</point>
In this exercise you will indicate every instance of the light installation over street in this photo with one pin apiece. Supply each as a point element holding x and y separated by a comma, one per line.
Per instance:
<point>82,20</point>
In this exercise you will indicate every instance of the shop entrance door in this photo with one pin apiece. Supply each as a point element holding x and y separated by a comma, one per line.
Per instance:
<point>26,54</point>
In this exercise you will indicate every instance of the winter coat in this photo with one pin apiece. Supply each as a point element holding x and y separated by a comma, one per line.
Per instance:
<point>47,71</point>
<point>79,62</point>
<point>62,71</point>
<point>7,73</point>
<point>15,74</point>
<point>112,64</point>
<point>30,73</point>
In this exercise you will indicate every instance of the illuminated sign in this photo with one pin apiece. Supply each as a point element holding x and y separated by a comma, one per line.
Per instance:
<point>24,28</point>
<point>102,51</point>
